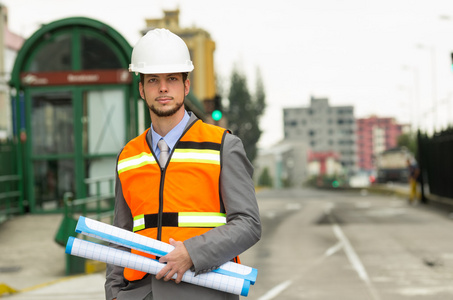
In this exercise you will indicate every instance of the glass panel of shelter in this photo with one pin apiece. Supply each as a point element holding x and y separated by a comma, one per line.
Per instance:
<point>52,126</point>
<point>54,55</point>
<point>103,135</point>
<point>97,54</point>
<point>52,123</point>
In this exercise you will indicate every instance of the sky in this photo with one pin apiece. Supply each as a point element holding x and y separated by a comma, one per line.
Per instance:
<point>389,58</point>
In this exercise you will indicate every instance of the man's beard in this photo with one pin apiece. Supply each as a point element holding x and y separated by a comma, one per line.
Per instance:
<point>166,113</point>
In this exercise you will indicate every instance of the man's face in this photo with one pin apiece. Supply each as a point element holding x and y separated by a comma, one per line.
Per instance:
<point>164,93</point>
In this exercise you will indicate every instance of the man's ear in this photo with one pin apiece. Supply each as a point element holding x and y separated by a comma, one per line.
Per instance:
<point>140,89</point>
<point>187,87</point>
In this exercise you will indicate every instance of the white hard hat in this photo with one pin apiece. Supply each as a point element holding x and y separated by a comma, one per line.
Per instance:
<point>160,51</point>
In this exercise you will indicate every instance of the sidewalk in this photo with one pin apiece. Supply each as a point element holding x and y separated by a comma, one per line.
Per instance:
<point>402,190</point>
<point>32,264</point>
<point>89,287</point>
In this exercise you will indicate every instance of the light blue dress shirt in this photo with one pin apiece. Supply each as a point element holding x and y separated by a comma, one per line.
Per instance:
<point>172,137</point>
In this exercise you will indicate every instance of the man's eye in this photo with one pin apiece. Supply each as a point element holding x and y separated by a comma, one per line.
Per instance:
<point>173,78</point>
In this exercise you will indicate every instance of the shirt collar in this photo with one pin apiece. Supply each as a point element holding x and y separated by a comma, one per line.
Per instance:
<point>172,136</point>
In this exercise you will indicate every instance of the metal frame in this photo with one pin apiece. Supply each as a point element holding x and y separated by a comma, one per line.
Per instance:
<point>75,27</point>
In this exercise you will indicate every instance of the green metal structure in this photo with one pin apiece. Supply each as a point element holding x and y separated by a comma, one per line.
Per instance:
<point>74,107</point>
<point>11,202</point>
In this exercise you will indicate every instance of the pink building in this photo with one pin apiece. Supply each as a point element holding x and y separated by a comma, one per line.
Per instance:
<point>375,135</point>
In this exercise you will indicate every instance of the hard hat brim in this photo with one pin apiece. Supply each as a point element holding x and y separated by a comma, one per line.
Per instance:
<point>162,70</point>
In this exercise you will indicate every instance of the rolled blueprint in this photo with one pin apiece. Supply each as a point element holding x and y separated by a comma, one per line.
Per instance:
<point>122,237</point>
<point>217,281</point>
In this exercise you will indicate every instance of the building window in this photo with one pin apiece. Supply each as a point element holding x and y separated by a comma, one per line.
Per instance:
<point>292,123</point>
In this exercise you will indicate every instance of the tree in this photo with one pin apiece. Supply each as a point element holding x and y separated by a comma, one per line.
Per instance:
<point>409,141</point>
<point>245,111</point>
<point>265,178</point>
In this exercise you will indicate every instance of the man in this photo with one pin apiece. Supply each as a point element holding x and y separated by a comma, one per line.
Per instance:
<point>414,173</point>
<point>180,166</point>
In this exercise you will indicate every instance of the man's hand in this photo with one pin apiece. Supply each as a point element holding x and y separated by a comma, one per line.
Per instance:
<point>178,261</point>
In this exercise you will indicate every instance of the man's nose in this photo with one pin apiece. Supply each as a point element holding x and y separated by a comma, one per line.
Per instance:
<point>163,87</point>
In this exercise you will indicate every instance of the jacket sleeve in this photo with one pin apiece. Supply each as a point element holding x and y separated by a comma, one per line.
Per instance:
<point>122,219</point>
<point>243,228</point>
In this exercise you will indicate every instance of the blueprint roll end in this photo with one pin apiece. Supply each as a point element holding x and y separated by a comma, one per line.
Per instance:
<point>253,275</point>
<point>245,288</point>
<point>81,224</point>
<point>69,245</point>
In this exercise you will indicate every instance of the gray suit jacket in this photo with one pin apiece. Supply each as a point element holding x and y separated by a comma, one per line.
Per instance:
<point>208,251</point>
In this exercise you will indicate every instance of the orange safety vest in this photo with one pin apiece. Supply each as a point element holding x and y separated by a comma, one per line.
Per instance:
<point>181,200</point>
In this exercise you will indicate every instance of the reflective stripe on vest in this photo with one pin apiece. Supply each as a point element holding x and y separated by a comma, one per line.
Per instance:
<point>135,162</point>
<point>181,219</point>
<point>180,155</point>
<point>196,156</point>
<point>204,152</point>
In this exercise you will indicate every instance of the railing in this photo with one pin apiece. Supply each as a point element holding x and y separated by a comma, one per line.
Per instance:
<point>10,197</point>
<point>99,207</point>
<point>100,184</point>
<point>436,163</point>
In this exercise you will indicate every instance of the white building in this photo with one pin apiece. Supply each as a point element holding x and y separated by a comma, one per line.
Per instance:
<point>324,128</point>
<point>285,162</point>
<point>10,44</point>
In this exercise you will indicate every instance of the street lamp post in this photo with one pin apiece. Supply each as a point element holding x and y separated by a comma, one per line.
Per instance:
<point>432,50</point>
<point>415,108</point>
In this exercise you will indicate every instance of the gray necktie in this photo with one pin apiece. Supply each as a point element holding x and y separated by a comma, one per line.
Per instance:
<point>163,152</point>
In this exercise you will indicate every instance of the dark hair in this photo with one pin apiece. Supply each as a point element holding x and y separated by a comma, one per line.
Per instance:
<point>185,75</point>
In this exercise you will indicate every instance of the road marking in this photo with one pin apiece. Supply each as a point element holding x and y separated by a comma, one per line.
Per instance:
<point>293,206</point>
<point>332,250</point>
<point>386,212</point>
<point>49,283</point>
<point>276,290</point>
<point>271,214</point>
<point>354,260</point>
<point>362,204</point>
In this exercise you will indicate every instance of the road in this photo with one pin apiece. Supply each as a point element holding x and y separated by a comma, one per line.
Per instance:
<point>316,245</point>
<point>350,245</point>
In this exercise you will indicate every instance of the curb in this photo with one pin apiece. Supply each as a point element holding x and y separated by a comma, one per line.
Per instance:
<point>6,290</point>
<point>93,266</point>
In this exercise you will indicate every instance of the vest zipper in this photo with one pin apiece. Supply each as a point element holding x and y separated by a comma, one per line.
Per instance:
<point>161,188</point>
<point>161,204</point>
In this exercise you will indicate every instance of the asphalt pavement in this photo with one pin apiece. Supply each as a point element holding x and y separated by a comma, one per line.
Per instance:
<point>33,265</point>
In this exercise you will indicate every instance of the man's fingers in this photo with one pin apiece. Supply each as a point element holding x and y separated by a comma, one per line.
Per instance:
<point>179,278</point>
<point>169,275</point>
<point>163,272</point>
<point>166,273</point>
<point>177,262</point>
